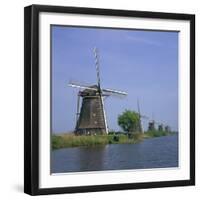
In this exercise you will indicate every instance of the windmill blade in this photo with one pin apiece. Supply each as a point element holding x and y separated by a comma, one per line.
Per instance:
<point>114,92</point>
<point>80,86</point>
<point>97,66</point>
<point>78,108</point>
<point>138,106</point>
<point>144,117</point>
<point>80,83</point>
<point>108,94</point>
<point>141,116</point>
<point>158,123</point>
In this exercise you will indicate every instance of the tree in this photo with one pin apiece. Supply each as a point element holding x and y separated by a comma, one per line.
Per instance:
<point>129,121</point>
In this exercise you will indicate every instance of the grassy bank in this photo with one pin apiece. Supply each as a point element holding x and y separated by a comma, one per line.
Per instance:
<point>70,140</point>
<point>150,134</point>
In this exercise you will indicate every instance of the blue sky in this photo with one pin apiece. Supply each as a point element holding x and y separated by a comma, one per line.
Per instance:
<point>142,63</point>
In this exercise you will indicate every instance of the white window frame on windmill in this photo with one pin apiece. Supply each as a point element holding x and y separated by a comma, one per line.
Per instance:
<point>83,116</point>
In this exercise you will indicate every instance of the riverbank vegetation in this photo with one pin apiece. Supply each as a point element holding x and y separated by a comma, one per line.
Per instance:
<point>72,140</point>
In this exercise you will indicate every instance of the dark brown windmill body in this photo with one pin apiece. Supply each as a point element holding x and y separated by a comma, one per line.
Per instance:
<point>151,126</point>
<point>91,117</point>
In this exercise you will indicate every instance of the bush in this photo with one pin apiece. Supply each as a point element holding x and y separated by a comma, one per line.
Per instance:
<point>116,138</point>
<point>129,121</point>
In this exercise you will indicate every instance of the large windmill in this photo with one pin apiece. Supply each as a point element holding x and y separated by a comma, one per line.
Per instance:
<point>91,117</point>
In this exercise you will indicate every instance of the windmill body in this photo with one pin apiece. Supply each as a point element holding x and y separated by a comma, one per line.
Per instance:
<point>160,127</point>
<point>151,126</point>
<point>91,117</point>
<point>167,129</point>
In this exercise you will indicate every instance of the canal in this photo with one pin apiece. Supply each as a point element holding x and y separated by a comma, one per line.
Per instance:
<point>160,152</point>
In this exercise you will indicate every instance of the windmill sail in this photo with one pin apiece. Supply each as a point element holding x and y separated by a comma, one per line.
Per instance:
<point>77,108</point>
<point>81,86</point>
<point>99,87</point>
<point>97,66</point>
<point>114,92</point>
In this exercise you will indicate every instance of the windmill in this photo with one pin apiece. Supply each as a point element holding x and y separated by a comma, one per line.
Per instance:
<point>151,125</point>
<point>160,127</point>
<point>167,129</point>
<point>140,129</point>
<point>91,117</point>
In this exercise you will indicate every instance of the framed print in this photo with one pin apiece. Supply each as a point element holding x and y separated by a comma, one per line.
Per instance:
<point>109,99</point>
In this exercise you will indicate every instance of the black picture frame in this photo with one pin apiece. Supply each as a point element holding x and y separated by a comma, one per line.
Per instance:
<point>31,98</point>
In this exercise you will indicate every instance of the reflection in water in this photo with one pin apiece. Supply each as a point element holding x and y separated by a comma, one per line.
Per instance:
<point>95,158</point>
<point>151,153</point>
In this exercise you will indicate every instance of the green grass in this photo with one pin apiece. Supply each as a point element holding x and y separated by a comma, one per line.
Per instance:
<point>71,140</point>
<point>156,133</point>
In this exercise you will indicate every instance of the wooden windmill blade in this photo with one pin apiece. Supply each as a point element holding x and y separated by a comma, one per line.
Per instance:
<point>99,86</point>
<point>139,112</point>
<point>78,109</point>
<point>114,92</point>
<point>81,86</point>
<point>97,66</point>
<point>105,91</point>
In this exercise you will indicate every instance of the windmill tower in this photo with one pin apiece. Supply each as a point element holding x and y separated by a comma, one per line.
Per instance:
<point>140,129</point>
<point>151,126</point>
<point>167,129</point>
<point>153,123</point>
<point>91,117</point>
<point>160,127</point>
<point>140,123</point>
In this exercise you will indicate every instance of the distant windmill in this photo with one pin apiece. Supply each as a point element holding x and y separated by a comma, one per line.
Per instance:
<point>167,128</point>
<point>140,129</point>
<point>151,126</point>
<point>160,127</point>
<point>91,118</point>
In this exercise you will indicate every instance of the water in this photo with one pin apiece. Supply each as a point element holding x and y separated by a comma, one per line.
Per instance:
<point>158,152</point>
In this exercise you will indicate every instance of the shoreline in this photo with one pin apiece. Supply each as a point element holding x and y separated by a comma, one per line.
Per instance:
<point>70,140</point>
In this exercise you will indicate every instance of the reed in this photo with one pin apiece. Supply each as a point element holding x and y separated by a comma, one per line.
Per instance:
<point>72,140</point>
